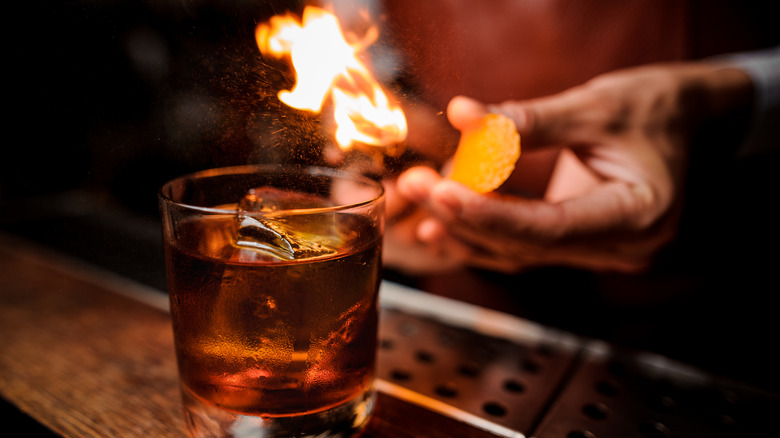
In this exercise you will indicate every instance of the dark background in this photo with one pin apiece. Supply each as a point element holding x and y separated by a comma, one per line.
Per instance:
<point>113,98</point>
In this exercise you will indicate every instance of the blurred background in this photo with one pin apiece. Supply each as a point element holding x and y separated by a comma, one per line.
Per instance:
<point>112,98</point>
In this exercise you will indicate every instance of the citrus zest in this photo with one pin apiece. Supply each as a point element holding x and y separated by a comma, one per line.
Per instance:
<point>486,153</point>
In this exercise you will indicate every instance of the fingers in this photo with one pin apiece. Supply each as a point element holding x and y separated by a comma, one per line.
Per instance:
<point>610,207</point>
<point>416,185</point>
<point>607,227</point>
<point>405,250</point>
<point>597,223</point>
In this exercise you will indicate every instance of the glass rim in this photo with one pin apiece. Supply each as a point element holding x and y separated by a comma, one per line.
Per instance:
<point>279,169</point>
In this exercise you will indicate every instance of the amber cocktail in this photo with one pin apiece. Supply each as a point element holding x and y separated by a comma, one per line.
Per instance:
<point>273,276</point>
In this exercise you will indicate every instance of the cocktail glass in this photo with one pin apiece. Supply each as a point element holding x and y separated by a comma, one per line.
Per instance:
<point>273,274</point>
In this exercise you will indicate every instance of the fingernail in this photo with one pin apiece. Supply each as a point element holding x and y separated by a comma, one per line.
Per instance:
<point>429,230</point>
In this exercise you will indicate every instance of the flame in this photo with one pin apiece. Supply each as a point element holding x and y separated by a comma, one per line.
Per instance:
<point>326,65</point>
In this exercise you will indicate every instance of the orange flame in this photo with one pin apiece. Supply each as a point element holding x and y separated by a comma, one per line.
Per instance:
<point>326,65</point>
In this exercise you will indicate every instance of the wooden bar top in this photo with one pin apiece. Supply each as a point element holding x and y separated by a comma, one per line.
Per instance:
<point>81,360</point>
<point>87,354</point>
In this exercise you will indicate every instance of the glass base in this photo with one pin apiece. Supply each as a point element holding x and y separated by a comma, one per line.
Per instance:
<point>346,420</point>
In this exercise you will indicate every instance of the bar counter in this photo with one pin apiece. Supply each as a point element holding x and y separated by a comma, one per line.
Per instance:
<point>89,353</point>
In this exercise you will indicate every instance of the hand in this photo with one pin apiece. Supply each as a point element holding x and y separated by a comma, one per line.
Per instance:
<point>630,131</point>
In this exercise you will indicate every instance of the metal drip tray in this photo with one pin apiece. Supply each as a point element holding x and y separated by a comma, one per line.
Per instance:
<point>514,378</point>
<point>503,381</point>
<point>617,394</point>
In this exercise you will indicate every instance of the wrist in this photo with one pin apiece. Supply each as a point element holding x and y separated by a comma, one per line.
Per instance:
<point>724,98</point>
<point>729,92</point>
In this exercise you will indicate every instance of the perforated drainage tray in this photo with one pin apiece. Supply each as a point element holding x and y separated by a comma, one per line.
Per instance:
<point>640,395</point>
<point>518,379</point>
<point>491,370</point>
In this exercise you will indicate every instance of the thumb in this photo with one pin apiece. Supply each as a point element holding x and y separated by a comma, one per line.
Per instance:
<point>552,120</point>
<point>465,112</point>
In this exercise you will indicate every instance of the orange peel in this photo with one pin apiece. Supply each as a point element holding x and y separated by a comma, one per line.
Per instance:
<point>486,154</point>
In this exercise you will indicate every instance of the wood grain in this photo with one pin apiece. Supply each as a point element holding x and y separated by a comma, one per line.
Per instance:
<point>83,358</point>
